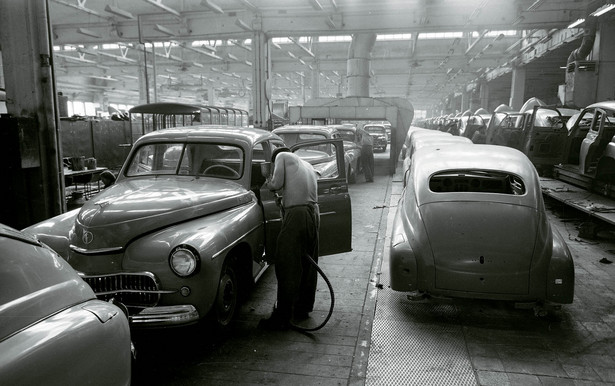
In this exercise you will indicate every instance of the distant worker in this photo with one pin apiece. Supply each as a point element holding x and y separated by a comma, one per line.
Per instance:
<point>367,154</point>
<point>298,238</point>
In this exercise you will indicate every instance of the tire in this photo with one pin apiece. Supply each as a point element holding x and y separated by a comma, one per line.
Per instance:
<point>227,297</point>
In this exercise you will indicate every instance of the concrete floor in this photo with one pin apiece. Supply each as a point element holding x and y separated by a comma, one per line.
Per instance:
<point>377,337</point>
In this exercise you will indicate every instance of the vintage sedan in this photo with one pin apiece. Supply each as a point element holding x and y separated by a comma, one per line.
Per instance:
<point>187,228</point>
<point>293,134</point>
<point>379,133</point>
<point>53,329</point>
<point>471,223</point>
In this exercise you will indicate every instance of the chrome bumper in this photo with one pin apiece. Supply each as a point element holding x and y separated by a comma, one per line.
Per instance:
<point>165,316</point>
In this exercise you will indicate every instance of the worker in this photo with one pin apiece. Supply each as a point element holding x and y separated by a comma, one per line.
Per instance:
<point>298,238</point>
<point>367,154</point>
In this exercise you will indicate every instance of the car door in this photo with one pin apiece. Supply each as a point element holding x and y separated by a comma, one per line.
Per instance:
<point>546,136</point>
<point>327,157</point>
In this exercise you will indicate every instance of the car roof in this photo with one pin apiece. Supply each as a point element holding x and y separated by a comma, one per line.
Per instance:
<point>610,105</point>
<point>304,129</point>
<point>207,132</point>
<point>429,160</point>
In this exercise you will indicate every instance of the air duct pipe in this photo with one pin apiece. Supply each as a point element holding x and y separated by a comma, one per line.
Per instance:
<point>587,44</point>
<point>357,66</point>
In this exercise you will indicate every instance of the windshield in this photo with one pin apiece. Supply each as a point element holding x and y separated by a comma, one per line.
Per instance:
<point>291,139</point>
<point>374,129</point>
<point>196,159</point>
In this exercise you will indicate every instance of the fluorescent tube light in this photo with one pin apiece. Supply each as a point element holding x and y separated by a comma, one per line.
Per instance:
<point>602,10</point>
<point>119,12</point>
<point>576,23</point>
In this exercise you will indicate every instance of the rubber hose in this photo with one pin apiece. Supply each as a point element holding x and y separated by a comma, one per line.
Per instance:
<point>326,279</point>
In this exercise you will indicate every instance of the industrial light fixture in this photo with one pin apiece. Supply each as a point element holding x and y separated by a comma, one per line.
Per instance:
<point>576,23</point>
<point>602,10</point>
<point>249,5</point>
<point>164,30</point>
<point>239,23</point>
<point>317,6</point>
<point>214,7</point>
<point>118,12</point>
<point>80,6</point>
<point>158,3</point>
<point>518,20</point>
<point>535,5</point>
<point>88,32</point>
<point>330,22</point>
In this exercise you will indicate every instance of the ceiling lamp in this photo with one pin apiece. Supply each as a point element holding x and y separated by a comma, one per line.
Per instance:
<point>316,5</point>
<point>214,7</point>
<point>602,10</point>
<point>119,12</point>
<point>241,24</point>
<point>164,30</point>
<point>88,32</point>
<point>249,5</point>
<point>576,23</point>
<point>518,20</point>
<point>158,3</point>
<point>535,5</point>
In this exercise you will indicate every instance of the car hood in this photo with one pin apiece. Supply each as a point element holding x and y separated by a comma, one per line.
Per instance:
<point>134,207</point>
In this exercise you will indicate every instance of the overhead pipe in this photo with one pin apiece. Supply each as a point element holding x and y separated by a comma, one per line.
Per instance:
<point>587,44</point>
<point>357,65</point>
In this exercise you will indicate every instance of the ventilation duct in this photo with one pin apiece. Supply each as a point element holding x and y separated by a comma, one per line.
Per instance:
<point>357,65</point>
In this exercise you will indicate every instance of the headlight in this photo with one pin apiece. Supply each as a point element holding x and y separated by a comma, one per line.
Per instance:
<point>184,261</point>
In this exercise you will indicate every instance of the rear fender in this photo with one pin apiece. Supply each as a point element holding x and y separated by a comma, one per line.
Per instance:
<point>560,276</point>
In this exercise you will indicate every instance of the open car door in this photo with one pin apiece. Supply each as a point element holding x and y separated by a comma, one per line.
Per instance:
<point>327,158</point>
<point>545,137</point>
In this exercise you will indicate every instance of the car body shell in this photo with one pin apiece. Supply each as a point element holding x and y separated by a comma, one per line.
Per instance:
<point>590,141</point>
<point>122,240</point>
<point>424,140</point>
<point>471,223</point>
<point>53,330</point>
<point>293,134</point>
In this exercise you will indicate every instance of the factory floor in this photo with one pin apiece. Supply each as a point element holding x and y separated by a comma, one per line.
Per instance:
<point>376,336</point>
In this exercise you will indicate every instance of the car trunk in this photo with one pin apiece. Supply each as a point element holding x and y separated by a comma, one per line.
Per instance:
<point>484,247</point>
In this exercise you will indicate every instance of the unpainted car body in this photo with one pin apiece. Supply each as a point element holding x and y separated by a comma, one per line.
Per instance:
<point>590,142</point>
<point>434,142</point>
<point>471,223</point>
<point>53,330</point>
<point>293,134</point>
<point>537,130</point>
<point>187,227</point>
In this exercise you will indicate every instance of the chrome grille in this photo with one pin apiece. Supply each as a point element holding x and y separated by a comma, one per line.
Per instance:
<point>132,289</point>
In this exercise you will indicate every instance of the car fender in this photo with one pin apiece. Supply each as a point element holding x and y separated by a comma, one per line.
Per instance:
<point>560,275</point>
<point>213,237</point>
<point>402,262</point>
<point>55,231</point>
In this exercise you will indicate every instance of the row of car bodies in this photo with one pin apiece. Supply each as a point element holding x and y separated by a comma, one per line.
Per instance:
<point>471,223</point>
<point>188,225</point>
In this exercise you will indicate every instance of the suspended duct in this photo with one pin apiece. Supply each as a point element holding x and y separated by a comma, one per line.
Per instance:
<point>587,44</point>
<point>357,65</point>
<point>580,87</point>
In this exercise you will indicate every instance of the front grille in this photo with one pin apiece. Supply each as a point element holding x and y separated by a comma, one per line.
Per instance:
<point>132,289</point>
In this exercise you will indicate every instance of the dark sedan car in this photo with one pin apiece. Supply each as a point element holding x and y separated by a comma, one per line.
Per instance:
<point>53,330</point>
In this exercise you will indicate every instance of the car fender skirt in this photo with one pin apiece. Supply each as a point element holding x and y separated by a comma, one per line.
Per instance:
<point>560,276</point>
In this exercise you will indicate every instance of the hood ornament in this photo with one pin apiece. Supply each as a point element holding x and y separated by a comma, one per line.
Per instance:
<point>87,237</point>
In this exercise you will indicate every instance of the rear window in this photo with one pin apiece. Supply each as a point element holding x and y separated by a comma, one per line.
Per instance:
<point>480,181</point>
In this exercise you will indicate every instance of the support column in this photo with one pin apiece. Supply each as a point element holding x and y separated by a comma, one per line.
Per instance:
<point>316,80</point>
<point>261,86</point>
<point>211,97</point>
<point>484,94</point>
<point>517,89</point>
<point>465,100</point>
<point>32,165</point>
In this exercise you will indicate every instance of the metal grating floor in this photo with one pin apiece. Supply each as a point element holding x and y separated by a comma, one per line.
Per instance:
<point>416,343</point>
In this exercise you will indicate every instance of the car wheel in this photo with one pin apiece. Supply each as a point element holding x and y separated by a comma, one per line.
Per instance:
<point>227,297</point>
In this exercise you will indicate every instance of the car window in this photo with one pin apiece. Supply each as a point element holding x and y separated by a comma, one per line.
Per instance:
<point>322,157</point>
<point>476,181</point>
<point>547,118</point>
<point>204,159</point>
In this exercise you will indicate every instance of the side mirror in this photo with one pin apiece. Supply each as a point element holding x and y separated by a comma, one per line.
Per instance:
<point>266,169</point>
